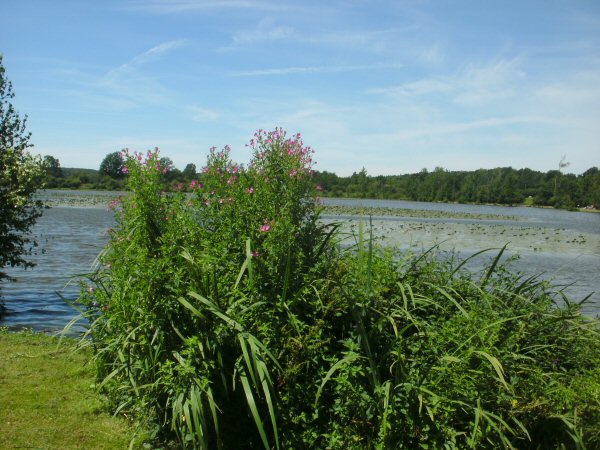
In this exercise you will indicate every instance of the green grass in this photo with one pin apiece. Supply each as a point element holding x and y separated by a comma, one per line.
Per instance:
<point>47,400</point>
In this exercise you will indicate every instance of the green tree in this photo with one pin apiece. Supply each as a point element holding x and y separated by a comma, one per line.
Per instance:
<point>112,165</point>
<point>20,175</point>
<point>52,166</point>
<point>189,172</point>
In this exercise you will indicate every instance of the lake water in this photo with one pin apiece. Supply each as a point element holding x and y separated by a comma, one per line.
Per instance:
<point>69,241</point>
<point>71,237</point>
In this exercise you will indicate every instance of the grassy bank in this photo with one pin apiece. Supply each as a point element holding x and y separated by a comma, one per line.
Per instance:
<point>46,399</point>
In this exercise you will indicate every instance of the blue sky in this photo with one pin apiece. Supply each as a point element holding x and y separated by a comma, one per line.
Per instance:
<point>392,86</point>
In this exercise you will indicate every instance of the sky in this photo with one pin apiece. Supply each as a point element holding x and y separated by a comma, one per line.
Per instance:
<point>391,86</point>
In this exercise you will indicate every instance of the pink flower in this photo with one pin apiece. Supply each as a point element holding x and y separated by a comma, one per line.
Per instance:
<point>266,227</point>
<point>250,190</point>
<point>254,254</point>
<point>125,169</point>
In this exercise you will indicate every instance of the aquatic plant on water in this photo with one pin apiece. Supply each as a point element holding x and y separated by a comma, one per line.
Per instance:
<point>231,318</point>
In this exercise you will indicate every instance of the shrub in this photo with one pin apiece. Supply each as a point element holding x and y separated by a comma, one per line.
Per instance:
<point>20,176</point>
<point>231,318</point>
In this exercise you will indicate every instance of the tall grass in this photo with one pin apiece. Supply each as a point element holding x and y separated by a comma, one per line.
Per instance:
<point>233,319</point>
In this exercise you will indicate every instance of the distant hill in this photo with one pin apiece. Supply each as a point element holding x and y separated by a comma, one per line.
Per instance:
<point>74,171</point>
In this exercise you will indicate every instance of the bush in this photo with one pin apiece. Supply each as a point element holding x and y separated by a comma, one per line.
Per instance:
<point>231,318</point>
<point>20,176</point>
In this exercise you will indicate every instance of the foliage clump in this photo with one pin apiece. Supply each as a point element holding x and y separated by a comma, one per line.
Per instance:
<point>232,318</point>
<point>20,176</point>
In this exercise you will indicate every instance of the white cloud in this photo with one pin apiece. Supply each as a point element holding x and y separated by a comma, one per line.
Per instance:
<point>263,33</point>
<point>415,88</point>
<point>580,90</point>
<point>133,87</point>
<point>148,55</point>
<point>433,55</point>
<point>471,86</point>
<point>373,41</point>
<point>482,84</point>
<point>183,6</point>
<point>314,69</point>
<point>200,114</point>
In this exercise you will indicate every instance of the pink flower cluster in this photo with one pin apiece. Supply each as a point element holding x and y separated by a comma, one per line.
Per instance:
<point>147,161</point>
<point>293,147</point>
<point>194,185</point>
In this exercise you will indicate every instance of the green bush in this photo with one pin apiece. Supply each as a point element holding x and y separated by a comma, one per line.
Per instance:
<point>232,318</point>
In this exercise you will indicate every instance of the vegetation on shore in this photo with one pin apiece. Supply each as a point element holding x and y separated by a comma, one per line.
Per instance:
<point>47,400</point>
<point>500,186</point>
<point>233,319</point>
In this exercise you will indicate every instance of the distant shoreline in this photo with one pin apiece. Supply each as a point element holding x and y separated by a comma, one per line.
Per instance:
<point>97,199</point>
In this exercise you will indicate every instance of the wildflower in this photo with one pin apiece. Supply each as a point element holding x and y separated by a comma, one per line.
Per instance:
<point>266,227</point>
<point>250,190</point>
<point>254,254</point>
<point>125,169</point>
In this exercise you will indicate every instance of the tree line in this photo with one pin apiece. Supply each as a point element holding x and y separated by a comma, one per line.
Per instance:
<point>109,176</point>
<point>502,185</point>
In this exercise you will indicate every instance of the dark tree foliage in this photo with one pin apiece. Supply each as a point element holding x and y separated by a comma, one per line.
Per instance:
<point>189,172</point>
<point>20,175</point>
<point>52,166</point>
<point>112,165</point>
<point>502,185</point>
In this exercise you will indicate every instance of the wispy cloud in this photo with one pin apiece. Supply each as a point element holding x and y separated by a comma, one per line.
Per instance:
<point>200,114</point>
<point>149,55</point>
<point>127,83</point>
<point>415,88</point>
<point>182,6</point>
<point>313,69</point>
<point>367,40</point>
<point>264,33</point>
<point>375,40</point>
<point>466,126</point>
<point>473,85</point>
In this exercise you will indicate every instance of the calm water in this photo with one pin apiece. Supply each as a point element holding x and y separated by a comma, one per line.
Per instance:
<point>71,237</point>
<point>530,217</point>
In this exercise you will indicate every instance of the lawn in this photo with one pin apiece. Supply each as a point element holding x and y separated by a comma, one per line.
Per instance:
<point>47,400</point>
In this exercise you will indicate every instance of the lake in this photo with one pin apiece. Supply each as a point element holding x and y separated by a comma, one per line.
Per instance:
<point>564,246</point>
